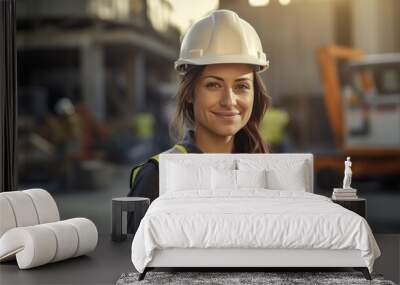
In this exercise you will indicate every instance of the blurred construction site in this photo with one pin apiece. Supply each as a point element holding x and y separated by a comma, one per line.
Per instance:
<point>96,86</point>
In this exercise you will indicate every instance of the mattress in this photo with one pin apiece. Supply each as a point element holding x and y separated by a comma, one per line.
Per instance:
<point>251,219</point>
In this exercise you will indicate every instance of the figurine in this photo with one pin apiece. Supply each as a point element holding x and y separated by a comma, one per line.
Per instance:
<point>347,174</point>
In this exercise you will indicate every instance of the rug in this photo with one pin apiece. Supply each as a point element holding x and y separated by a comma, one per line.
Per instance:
<point>269,278</point>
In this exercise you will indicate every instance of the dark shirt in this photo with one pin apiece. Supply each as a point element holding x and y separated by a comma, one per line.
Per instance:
<point>146,181</point>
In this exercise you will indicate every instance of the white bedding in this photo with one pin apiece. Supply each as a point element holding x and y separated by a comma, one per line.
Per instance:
<point>250,218</point>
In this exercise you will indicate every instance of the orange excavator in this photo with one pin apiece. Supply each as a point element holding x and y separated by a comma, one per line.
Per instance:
<point>362,102</point>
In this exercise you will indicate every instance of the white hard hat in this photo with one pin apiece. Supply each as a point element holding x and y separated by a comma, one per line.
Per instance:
<point>221,37</point>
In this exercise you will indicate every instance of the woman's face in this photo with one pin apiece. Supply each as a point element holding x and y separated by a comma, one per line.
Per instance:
<point>223,98</point>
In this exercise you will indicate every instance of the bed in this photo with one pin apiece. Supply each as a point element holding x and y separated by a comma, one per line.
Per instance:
<point>245,211</point>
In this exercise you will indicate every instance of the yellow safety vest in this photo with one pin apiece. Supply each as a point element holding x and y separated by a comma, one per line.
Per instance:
<point>178,148</point>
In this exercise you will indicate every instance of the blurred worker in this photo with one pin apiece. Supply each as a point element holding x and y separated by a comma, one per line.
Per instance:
<point>63,130</point>
<point>143,128</point>
<point>273,128</point>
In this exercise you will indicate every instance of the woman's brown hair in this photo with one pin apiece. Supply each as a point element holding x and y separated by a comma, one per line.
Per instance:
<point>248,139</point>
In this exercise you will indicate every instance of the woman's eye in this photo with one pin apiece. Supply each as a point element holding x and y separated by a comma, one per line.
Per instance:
<point>212,85</point>
<point>243,87</point>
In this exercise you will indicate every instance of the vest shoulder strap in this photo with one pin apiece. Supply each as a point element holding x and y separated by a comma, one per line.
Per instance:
<point>178,148</point>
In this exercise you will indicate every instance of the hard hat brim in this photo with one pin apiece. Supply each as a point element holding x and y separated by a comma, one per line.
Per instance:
<point>180,64</point>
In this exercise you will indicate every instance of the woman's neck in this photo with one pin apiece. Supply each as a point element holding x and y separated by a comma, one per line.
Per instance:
<point>208,142</point>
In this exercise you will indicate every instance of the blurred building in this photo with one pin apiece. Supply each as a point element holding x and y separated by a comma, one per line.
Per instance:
<point>95,48</point>
<point>291,35</point>
<point>111,59</point>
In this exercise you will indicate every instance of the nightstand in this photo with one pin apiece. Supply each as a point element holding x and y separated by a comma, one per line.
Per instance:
<point>137,205</point>
<point>358,206</point>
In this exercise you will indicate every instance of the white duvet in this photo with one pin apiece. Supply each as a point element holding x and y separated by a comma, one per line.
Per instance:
<point>252,218</point>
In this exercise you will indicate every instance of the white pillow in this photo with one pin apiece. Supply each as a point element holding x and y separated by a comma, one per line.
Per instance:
<point>182,177</point>
<point>251,178</point>
<point>223,179</point>
<point>281,180</point>
<point>282,174</point>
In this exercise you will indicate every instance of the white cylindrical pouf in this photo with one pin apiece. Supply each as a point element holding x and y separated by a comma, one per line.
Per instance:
<point>34,245</point>
<point>23,208</point>
<point>7,218</point>
<point>67,239</point>
<point>45,205</point>
<point>87,233</point>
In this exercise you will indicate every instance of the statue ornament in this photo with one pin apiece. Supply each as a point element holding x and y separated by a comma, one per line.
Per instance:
<point>347,174</point>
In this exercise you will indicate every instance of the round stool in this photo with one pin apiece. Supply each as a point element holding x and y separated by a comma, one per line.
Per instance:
<point>135,206</point>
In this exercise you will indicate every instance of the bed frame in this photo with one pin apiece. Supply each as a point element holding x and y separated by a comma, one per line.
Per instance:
<point>247,259</point>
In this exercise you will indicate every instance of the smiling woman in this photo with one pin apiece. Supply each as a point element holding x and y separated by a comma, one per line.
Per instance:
<point>221,98</point>
<point>223,104</point>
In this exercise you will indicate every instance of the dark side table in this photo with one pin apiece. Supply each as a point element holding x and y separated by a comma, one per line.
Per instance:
<point>137,205</point>
<point>358,206</point>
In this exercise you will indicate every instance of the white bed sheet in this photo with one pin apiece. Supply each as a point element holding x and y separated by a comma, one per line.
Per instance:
<point>250,218</point>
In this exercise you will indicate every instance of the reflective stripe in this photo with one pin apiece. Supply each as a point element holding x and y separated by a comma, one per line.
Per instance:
<point>134,172</point>
<point>178,148</point>
<point>156,158</point>
<point>181,148</point>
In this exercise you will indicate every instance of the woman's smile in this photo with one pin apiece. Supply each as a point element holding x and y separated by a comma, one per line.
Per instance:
<point>227,115</point>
